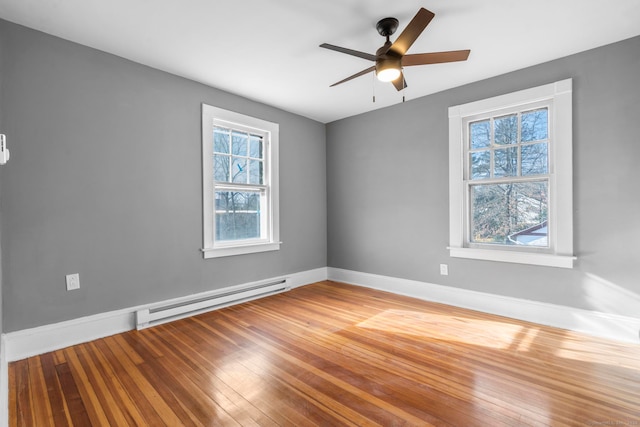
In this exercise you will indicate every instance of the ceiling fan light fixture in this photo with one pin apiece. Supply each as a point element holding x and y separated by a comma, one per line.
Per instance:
<point>388,75</point>
<point>388,69</point>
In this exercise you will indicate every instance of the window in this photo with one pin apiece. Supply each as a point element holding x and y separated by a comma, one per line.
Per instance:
<point>510,183</point>
<point>240,183</point>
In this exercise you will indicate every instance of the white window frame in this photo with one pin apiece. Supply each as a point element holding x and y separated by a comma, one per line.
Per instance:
<point>558,96</point>
<point>214,116</point>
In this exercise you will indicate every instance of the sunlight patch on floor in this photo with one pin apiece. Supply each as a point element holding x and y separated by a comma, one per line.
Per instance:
<point>484,333</point>
<point>612,353</point>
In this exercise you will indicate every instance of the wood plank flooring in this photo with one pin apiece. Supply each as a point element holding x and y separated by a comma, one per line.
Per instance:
<point>333,354</point>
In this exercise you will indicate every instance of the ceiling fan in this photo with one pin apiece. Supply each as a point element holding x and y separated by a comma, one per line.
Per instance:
<point>391,57</point>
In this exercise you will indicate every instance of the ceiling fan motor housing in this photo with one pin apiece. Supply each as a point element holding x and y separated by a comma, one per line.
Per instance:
<point>386,61</point>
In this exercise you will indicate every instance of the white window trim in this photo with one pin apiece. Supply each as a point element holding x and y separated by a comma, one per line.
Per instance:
<point>560,177</point>
<point>211,114</point>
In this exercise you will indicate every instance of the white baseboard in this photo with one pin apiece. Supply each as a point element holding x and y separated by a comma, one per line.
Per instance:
<point>42,339</point>
<point>30,342</point>
<point>308,277</point>
<point>604,325</point>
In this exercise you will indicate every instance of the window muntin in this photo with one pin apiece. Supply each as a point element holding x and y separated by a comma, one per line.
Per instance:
<point>238,156</point>
<point>240,187</point>
<point>506,176</point>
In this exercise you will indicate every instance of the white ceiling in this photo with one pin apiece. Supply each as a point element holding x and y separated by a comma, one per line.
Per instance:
<point>267,50</point>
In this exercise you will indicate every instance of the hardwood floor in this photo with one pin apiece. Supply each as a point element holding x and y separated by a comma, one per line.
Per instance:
<point>333,354</point>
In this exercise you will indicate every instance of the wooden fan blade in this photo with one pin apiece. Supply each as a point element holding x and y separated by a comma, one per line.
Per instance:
<point>361,73</point>
<point>352,52</point>
<point>435,57</point>
<point>400,83</point>
<point>411,33</point>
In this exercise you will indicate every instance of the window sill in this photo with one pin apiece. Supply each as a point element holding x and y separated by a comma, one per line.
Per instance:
<point>240,250</point>
<point>549,260</point>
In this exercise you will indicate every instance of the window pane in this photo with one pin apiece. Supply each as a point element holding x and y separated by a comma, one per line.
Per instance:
<point>535,125</point>
<point>506,129</point>
<point>510,214</point>
<point>237,215</point>
<point>255,172</point>
<point>239,170</point>
<point>481,164</point>
<point>220,140</point>
<point>239,143</point>
<point>221,167</point>
<point>534,159</point>
<point>255,146</point>
<point>505,162</point>
<point>480,134</point>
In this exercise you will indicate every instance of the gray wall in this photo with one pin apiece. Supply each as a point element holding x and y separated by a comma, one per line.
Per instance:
<point>105,181</point>
<point>388,201</point>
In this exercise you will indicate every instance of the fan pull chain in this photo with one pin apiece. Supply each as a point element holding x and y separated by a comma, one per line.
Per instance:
<point>404,86</point>
<point>373,86</point>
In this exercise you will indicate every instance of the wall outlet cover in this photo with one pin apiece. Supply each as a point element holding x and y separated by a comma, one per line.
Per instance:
<point>444,269</point>
<point>73,281</point>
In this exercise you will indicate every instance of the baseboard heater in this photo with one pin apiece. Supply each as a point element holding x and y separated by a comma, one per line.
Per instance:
<point>201,303</point>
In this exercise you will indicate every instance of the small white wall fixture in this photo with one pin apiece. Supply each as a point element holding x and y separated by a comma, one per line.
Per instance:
<point>4,151</point>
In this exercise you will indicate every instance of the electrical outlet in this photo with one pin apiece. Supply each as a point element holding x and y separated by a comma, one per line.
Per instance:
<point>444,269</point>
<point>4,152</point>
<point>73,281</point>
